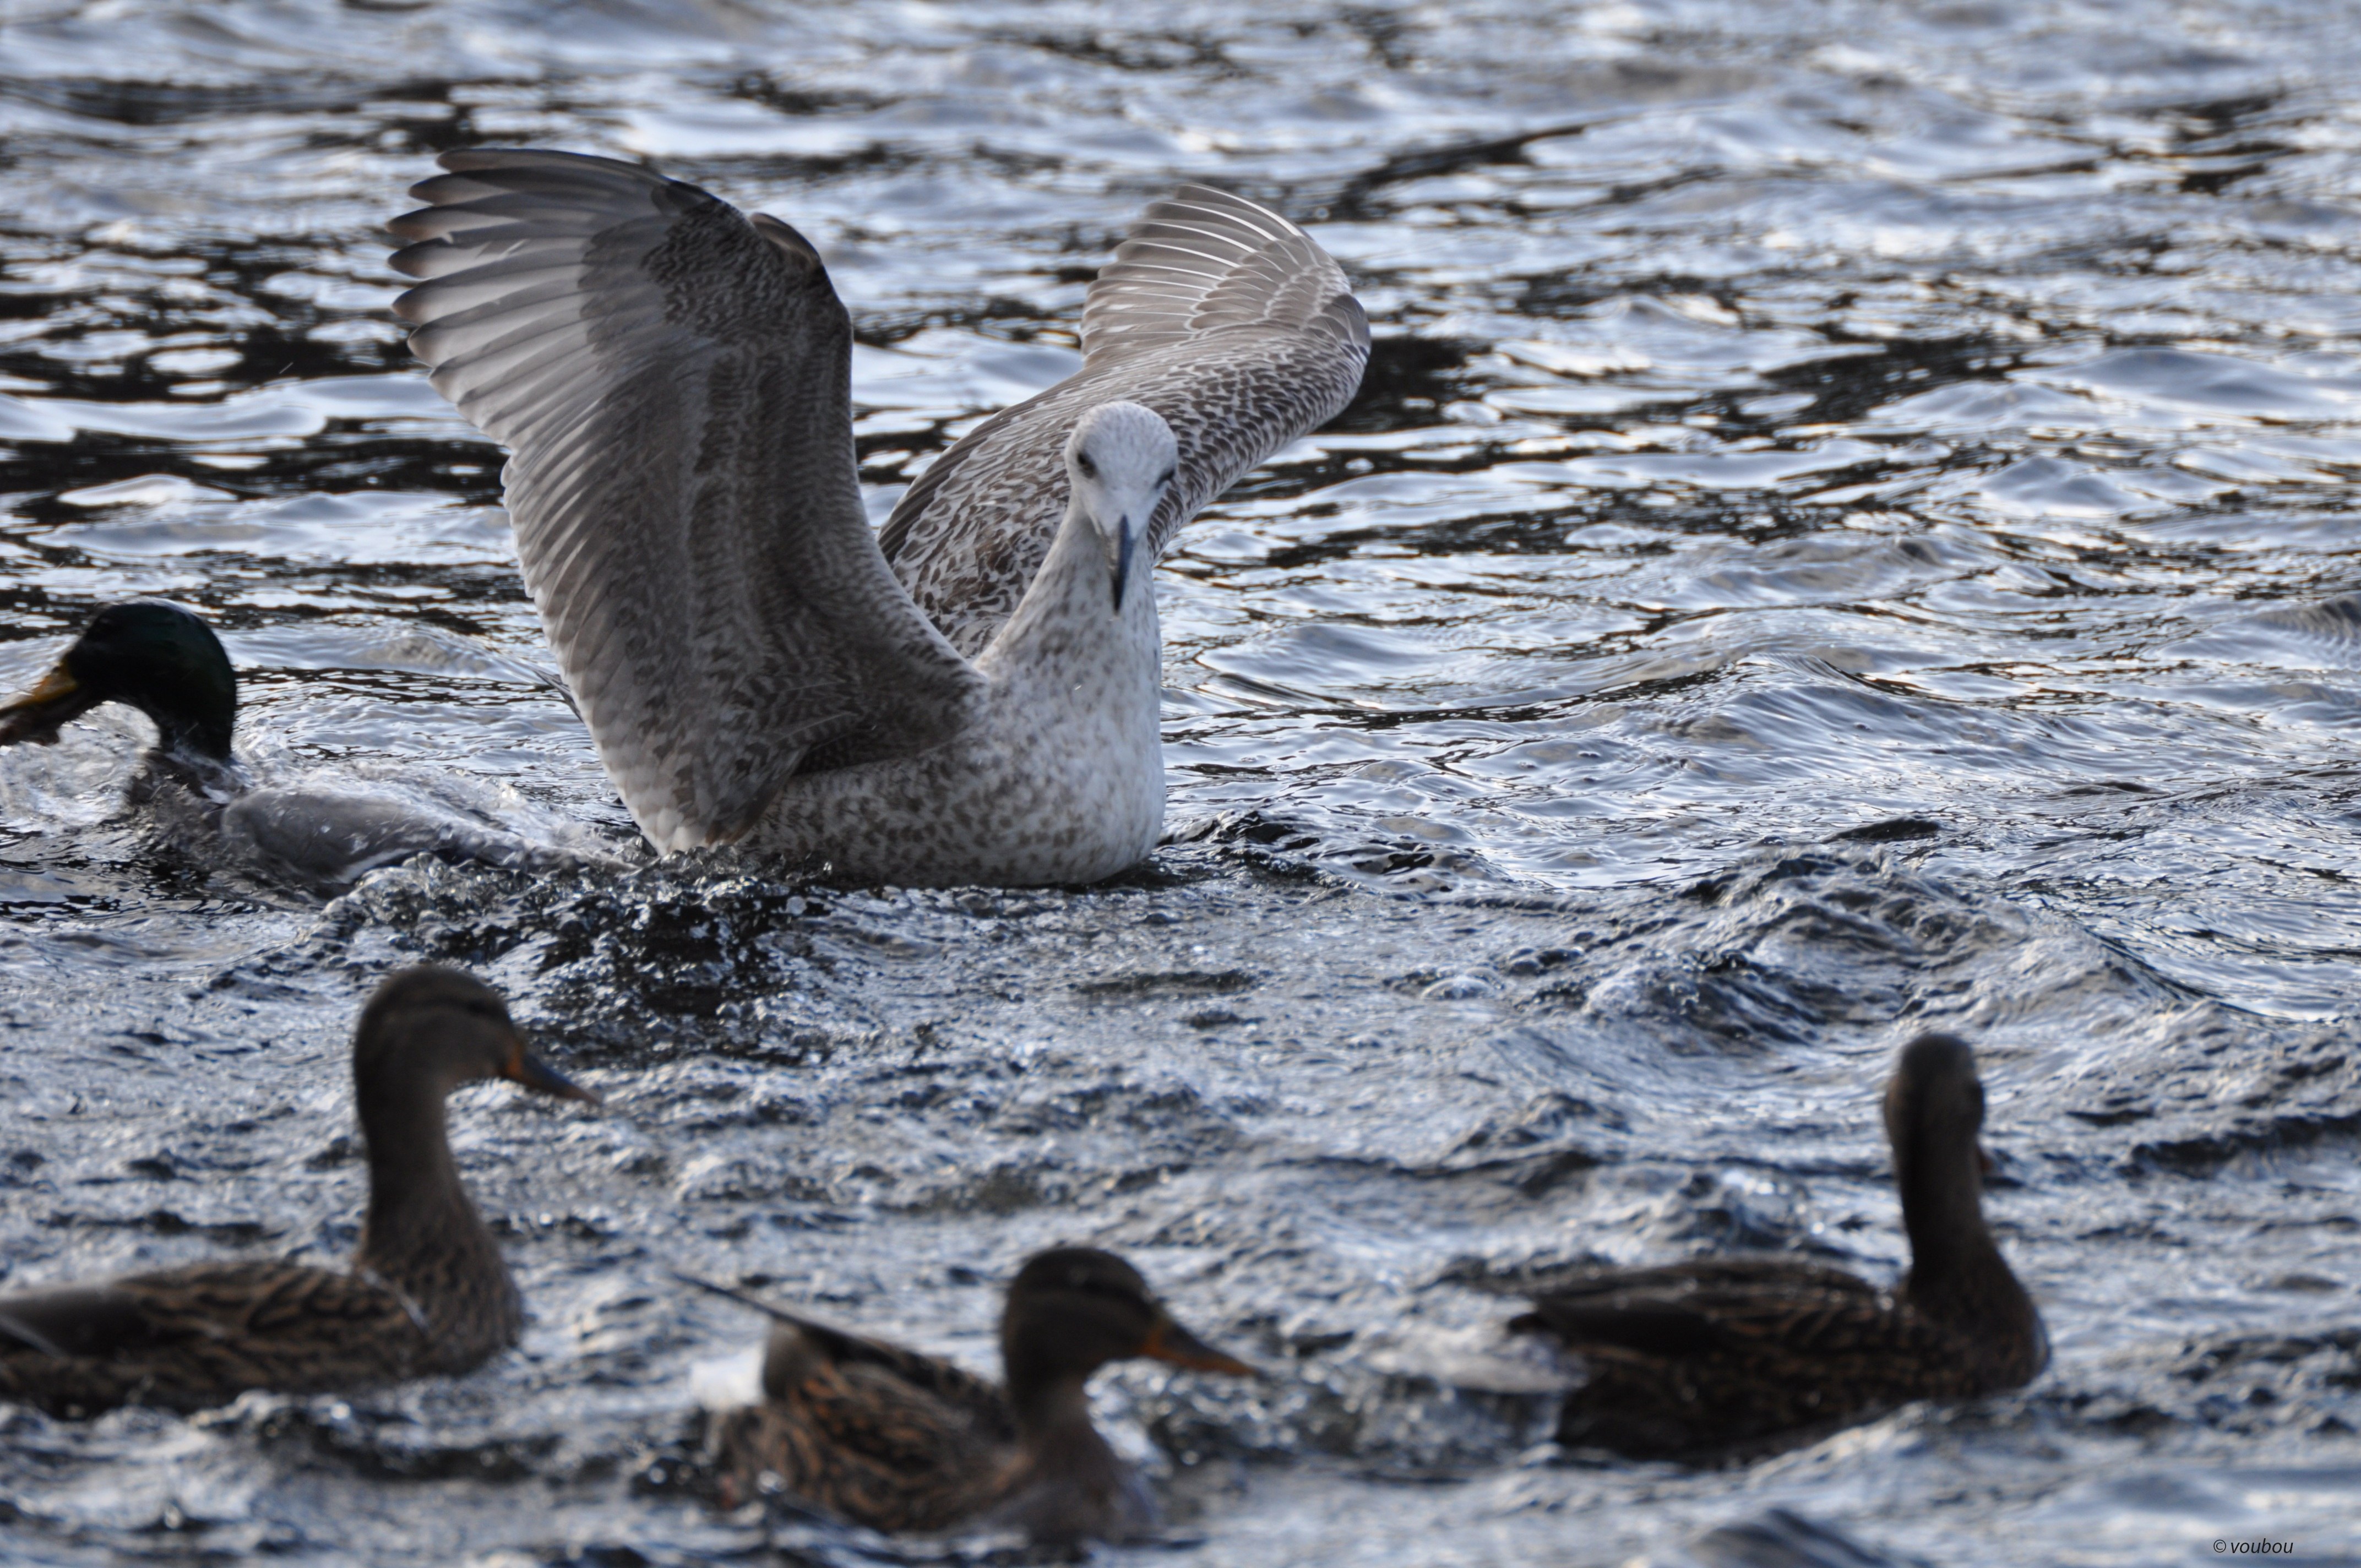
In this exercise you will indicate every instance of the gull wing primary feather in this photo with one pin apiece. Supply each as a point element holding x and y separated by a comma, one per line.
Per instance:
<point>673,381</point>
<point>1204,261</point>
<point>1223,317</point>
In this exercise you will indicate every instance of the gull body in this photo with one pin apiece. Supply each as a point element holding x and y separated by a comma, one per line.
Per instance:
<point>1059,774</point>
<point>967,695</point>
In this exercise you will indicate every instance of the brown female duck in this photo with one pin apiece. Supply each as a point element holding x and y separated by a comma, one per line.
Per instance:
<point>427,1292</point>
<point>887,1438</point>
<point>1729,1355</point>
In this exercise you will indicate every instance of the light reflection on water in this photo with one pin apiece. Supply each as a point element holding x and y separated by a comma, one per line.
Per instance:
<point>1847,526</point>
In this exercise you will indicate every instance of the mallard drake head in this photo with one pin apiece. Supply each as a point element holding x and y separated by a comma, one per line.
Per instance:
<point>1118,462</point>
<point>1072,1309</point>
<point>436,1028</point>
<point>156,656</point>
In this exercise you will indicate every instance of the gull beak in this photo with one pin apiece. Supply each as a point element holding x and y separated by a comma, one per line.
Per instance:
<point>1123,563</point>
<point>1168,1340</point>
<point>35,716</point>
<point>523,1067</point>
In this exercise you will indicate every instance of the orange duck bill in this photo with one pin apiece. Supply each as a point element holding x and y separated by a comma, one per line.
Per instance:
<point>1168,1340</point>
<point>55,698</point>
<point>535,1074</point>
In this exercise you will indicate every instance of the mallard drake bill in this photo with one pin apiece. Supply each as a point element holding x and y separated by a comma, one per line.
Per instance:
<point>57,699</point>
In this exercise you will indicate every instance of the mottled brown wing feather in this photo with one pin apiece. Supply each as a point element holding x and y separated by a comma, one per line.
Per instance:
<point>672,381</point>
<point>981,1402</point>
<point>870,1431</point>
<point>193,1337</point>
<point>1724,1353</point>
<point>1682,1307</point>
<point>1223,317</point>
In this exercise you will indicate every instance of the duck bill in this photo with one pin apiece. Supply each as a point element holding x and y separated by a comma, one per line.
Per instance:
<point>537,1075</point>
<point>1168,1340</point>
<point>55,698</point>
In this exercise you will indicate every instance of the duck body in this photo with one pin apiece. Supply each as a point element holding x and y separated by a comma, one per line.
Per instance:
<point>189,1338</point>
<point>899,1442</point>
<point>873,1433</point>
<point>427,1292</point>
<point>970,696</point>
<point>324,839</point>
<point>163,660</point>
<point>1730,1356</point>
<point>1727,1354</point>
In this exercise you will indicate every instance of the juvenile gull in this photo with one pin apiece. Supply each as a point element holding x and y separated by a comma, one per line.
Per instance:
<point>970,696</point>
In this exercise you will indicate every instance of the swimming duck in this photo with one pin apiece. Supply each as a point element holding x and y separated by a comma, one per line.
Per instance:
<point>426,1294</point>
<point>1730,1354</point>
<point>896,1441</point>
<point>162,659</point>
<point>967,695</point>
<point>152,654</point>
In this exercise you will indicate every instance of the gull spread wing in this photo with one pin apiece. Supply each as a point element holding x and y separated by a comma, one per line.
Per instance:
<point>1204,261</point>
<point>673,382</point>
<point>1220,315</point>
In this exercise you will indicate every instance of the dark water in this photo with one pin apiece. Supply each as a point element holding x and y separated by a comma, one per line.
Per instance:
<point>1848,528</point>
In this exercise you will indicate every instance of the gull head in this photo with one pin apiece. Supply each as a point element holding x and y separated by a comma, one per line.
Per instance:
<point>1118,461</point>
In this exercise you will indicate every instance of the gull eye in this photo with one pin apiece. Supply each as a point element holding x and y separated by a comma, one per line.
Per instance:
<point>1166,478</point>
<point>1082,460</point>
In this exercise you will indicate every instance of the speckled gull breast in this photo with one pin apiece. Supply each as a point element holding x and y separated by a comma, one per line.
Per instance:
<point>969,695</point>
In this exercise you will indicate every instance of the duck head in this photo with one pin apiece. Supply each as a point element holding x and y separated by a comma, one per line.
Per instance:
<point>1072,1309</point>
<point>1934,1111</point>
<point>428,1030</point>
<point>1118,462</point>
<point>1935,1102</point>
<point>156,656</point>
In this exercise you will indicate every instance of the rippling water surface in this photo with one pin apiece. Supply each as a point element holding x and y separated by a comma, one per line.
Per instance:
<point>1848,528</point>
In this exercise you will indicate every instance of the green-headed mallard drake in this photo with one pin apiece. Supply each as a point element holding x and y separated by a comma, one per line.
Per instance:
<point>1727,1354</point>
<point>895,1441</point>
<point>162,659</point>
<point>156,657</point>
<point>426,1294</point>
